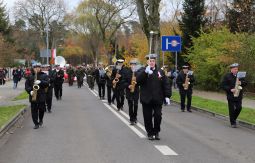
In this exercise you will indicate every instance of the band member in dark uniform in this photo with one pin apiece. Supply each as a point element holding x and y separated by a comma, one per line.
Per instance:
<point>80,73</point>
<point>185,81</point>
<point>108,72</point>
<point>233,84</point>
<point>154,88</point>
<point>49,90</point>
<point>35,86</point>
<point>58,82</point>
<point>100,76</point>
<point>118,85</point>
<point>132,91</point>
<point>71,73</point>
<point>90,77</point>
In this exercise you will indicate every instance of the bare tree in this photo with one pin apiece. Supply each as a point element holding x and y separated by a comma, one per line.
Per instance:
<point>36,13</point>
<point>110,15</point>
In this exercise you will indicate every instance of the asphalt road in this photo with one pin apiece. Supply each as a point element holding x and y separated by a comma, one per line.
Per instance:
<point>84,129</point>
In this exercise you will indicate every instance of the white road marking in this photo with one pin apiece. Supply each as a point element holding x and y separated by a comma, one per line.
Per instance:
<point>165,150</point>
<point>93,92</point>
<point>127,116</point>
<point>126,122</point>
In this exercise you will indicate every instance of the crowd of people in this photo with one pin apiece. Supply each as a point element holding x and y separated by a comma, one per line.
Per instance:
<point>151,84</point>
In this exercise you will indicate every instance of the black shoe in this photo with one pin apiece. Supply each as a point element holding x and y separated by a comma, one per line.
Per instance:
<point>36,126</point>
<point>189,111</point>
<point>109,103</point>
<point>150,137</point>
<point>157,137</point>
<point>121,108</point>
<point>40,123</point>
<point>132,123</point>
<point>49,111</point>
<point>118,109</point>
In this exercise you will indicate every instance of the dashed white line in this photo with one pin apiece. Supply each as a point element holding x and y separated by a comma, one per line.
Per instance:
<point>127,116</point>
<point>165,150</point>
<point>126,122</point>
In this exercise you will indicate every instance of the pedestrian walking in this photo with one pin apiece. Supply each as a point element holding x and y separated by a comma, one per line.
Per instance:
<point>185,82</point>
<point>154,88</point>
<point>35,86</point>
<point>232,84</point>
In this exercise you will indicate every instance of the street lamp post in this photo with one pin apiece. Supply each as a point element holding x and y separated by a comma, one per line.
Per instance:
<point>47,38</point>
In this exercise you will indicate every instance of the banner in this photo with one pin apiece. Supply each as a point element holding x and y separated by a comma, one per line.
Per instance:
<point>53,56</point>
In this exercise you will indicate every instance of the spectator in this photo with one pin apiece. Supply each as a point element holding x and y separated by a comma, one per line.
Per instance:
<point>17,74</point>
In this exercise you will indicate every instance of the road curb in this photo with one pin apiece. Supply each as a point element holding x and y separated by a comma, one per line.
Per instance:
<point>12,121</point>
<point>219,116</point>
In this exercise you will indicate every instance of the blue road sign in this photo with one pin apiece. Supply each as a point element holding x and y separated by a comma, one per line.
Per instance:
<point>171,43</point>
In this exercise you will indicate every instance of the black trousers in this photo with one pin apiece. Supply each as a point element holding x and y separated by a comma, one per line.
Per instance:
<point>37,111</point>
<point>101,90</point>
<point>58,91</point>
<point>133,107</point>
<point>109,94</point>
<point>234,108</point>
<point>119,95</point>
<point>79,82</point>
<point>151,111</point>
<point>183,95</point>
<point>49,98</point>
<point>70,80</point>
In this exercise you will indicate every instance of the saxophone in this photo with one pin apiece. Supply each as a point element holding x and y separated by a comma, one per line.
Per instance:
<point>116,79</point>
<point>187,83</point>
<point>35,89</point>
<point>238,87</point>
<point>133,83</point>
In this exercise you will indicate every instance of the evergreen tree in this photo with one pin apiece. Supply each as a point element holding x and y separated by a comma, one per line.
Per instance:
<point>192,20</point>
<point>241,17</point>
<point>4,20</point>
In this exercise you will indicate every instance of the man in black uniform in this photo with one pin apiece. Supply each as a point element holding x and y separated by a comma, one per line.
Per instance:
<point>49,90</point>
<point>90,77</point>
<point>185,82</point>
<point>231,84</point>
<point>58,82</point>
<point>118,85</point>
<point>35,86</point>
<point>154,88</point>
<point>71,73</point>
<point>132,91</point>
<point>80,73</point>
<point>109,79</point>
<point>100,76</point>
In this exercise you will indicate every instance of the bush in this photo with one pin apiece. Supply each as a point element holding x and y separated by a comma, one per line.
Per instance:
<point>211,55</point>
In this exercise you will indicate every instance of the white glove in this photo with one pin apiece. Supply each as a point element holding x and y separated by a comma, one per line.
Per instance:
<point>167,101</point>
<point>148,70</point>
<point>31,93</point>
<point>37,82</point>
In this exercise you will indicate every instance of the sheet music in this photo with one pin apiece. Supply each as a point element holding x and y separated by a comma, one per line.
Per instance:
<point>241,74</point>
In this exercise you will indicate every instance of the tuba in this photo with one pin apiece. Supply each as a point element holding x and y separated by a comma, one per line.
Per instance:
<point>35,89</point>
<point>108,71</point>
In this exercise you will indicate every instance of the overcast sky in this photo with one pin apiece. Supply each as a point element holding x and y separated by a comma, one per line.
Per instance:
<point>166,12</point>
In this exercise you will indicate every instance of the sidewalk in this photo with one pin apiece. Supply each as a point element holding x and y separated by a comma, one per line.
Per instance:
<point>222,97</point>
<point>7,93</point>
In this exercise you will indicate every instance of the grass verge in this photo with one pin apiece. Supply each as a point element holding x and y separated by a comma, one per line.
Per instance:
<point>7,112</point>
<point>21,96</point>
<point>247,114</point>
